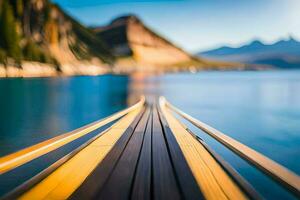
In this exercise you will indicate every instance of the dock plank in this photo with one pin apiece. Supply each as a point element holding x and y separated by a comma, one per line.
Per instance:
<point>141,188</point>
<point>186,180</point>
<point>147,154</point>
<point>95,181</point>
<point>164,181</point>
<point>214,182</point>
<point>122,175</point>
<point>68,177</point>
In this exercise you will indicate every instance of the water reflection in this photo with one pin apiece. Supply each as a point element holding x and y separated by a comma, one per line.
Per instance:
<point>144,84</point>
<point>33,110</point>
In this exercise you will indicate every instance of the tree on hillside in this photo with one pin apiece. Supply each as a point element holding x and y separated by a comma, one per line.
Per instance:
<point>9,37</point>
<point>31,51</point>
<point>18,7</point>
<point>0,7</point>
<point>26,17</point>
<point>2,57</point>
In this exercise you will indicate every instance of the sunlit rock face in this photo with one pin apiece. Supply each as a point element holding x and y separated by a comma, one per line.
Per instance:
<point>149,48</point>
<point>41,32</point>
<point>128,37</point>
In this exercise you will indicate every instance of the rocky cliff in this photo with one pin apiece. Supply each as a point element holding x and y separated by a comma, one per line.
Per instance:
<point>137,46</point>
<point>37,38</point>
<point>39,31</point>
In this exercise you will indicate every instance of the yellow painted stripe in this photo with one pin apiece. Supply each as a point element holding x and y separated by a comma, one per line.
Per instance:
<point>281,174</point>
<point>211,178</point>
<point>21,157</point>
<point>67,178</point>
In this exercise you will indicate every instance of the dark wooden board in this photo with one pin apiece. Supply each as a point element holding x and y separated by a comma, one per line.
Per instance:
<point>141,188</point>
<point>184,175</point>
<point>164,181</point>
<point>95,181</point>
<point>118,185</point>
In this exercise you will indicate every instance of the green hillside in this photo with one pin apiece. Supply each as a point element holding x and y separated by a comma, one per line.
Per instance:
<point>29,28</point>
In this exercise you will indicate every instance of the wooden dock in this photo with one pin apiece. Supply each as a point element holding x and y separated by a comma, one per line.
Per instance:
<point>147,153</point>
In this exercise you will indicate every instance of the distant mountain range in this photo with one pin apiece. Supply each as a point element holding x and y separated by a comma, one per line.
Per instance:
<point>38,38</point>
<point>283,54</point>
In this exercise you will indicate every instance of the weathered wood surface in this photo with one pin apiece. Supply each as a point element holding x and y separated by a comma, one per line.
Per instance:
<point>273,169</point>
<point>144,168</point>
<point>186,180</point>
<point>214,182</point>
<point>164,178</point>
<point>21,157</point>
<point>66,179</point>
<point>141,188</point>
<point>91,187</point>
<point>147,154</point>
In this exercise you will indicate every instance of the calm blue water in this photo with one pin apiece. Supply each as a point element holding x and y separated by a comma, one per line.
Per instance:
<point>260,109</point>
<point>35,109</point>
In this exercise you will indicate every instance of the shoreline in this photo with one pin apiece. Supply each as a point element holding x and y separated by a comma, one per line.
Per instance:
<point>36,70</point>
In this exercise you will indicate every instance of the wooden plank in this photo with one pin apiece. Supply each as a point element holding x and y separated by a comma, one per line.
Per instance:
<point>164,181</point>
<point>67,178</point>
<point>186,180</point>
<point>29,184</point>
<point>141,188</point>
<point>95,181</point>
<point>121,177</point>
<point>21,157</point>
<point>273,169</point>
<point>244,184</point>
<point>212,179</point>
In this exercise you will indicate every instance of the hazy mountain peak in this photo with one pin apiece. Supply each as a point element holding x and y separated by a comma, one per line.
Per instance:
<point>256,42</point>
<point>289,40</point>
<point>283,53</point>
<point>292,39</point>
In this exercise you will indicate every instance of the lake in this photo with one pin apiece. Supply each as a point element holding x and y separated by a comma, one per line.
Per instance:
<point>259,109</point>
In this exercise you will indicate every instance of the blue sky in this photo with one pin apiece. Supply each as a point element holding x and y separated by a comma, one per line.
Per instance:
<point>199,24</point>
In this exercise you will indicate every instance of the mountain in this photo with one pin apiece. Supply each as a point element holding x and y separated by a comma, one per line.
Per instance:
<point>137,46</point>
<point>37,38</point>
<point>282,54</point>
<point>39,31</point>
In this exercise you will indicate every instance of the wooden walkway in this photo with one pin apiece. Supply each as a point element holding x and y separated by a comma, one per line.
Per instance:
<point>146,154</point>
